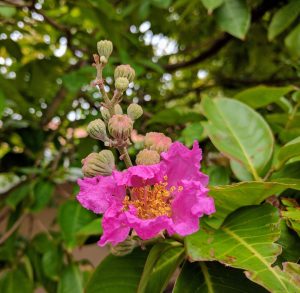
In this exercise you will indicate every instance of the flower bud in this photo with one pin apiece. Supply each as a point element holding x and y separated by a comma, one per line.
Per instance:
<point>105,114</point>
<point>157,141</point>
<point>101,163</point>
<point>121,84</point>
<point>120,126</point>
<point>104,49</point>
<point>124,247</point>
<point>125,71</point>
<point>134,111</point>
<point>118,109</point>
<point>96,129</point>
<point>147,157</point>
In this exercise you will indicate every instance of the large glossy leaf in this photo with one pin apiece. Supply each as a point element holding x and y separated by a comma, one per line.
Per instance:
<point>283,18</point>
<point>288,151</point>
<point>117,273</point>
<point>261,95</point>
<point>210,5</point>
<point>233,16</point>
<point>229,198</point>
<point>246,240</point>
<point>161,263</point>
<point>71,280</point>
<point>71,218</point>
<point>212,277</point>
<point>241,134</point>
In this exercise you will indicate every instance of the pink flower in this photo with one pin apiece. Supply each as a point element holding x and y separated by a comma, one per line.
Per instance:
<point>170,195</point>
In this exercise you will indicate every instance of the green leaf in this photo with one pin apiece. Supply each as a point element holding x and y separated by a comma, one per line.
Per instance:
<point>218,175</point>
<point>117,273</point>
<point>229,198</point>
<point>292,41</point>
<point>71,218</point>
<point>210,5</point>
<point>92,228</point>
<point>71,280</point>
<point>52,262</point>
<point>261,95</point>
<point>233,16</point>
<point>18,194</point>
<point>246,241</point>
<point>7,11</point>
<point>288,151</point>
<point>175,116</point>
<point>212,277</point>
<point>43,191</point>
<point>192,132</point>
<point>283,18</point>
<point>290,244</point>
<point>161,263</point>
<point>244,136</point>
<point>15,281</point>
<point>240,171</point>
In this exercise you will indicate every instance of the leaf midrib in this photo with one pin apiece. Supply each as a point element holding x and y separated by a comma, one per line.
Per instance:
<point>257,254</point>
<point>238,142</point>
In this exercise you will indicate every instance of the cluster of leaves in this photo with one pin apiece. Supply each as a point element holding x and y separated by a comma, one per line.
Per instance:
<point>243,109</point>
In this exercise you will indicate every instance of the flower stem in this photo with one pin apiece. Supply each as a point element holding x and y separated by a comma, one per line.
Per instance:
<point>125,156</point>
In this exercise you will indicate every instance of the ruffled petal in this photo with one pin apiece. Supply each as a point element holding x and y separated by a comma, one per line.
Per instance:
<point>182,163</point>
<point>114,224</point>
<point>147,228</point>
<point>96,193</point>
<point>141,175</point>
<point>188,205</point>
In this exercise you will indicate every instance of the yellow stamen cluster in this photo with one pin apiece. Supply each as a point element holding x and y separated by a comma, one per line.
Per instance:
<point>151,201</point>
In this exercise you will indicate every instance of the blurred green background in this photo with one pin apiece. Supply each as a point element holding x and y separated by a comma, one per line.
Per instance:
<point>181,51</point>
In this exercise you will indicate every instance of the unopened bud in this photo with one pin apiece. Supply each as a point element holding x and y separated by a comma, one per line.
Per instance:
<point>101,163</point>
<point>125,71</point>
<point>124,247</point>
<point>104,49</point>
<point>105,114</point>
<point>121,84</point>
<point>134,111</point>
<point>118,109</point>
<point>147,157</point>
<point>96,129</point>
<point>120,126</point>
<point>157,141</point>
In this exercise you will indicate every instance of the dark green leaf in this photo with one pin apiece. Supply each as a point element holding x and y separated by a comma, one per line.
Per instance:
<point>115,273</point>
<point>15,281</point>
<point>210,5</point>
<point>292,41</point>
<point>71,280</point>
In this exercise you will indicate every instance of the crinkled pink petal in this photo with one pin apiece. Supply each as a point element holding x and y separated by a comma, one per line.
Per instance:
<point>147,228</point>
<point>188,205</point>
<point>114,224</point>
<point>97,193</point>
<point>141,175</point>
<point>183,163</point>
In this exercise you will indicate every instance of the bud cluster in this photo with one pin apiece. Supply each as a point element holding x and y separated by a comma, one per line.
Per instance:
<point>115,127</point>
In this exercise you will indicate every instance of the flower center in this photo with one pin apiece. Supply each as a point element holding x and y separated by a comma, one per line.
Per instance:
<point>151,201</point>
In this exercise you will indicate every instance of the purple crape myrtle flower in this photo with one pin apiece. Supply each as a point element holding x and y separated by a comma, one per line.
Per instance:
<point>169,196</point>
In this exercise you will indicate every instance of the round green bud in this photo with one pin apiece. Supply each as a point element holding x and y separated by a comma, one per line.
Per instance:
<point>134,111</point>
<point>125,71</point>
<point>104,48</point>
<point>118,109</point>
<point>121,84</point>
<point>97,129</point>
<point>147,157</point>
<point>105,114</point>
<point>120,126</point>
<point>124,247</point>
<point>95,164</point>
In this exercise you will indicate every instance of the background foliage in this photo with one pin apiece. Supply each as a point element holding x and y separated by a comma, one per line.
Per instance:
<point>224,72</point>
